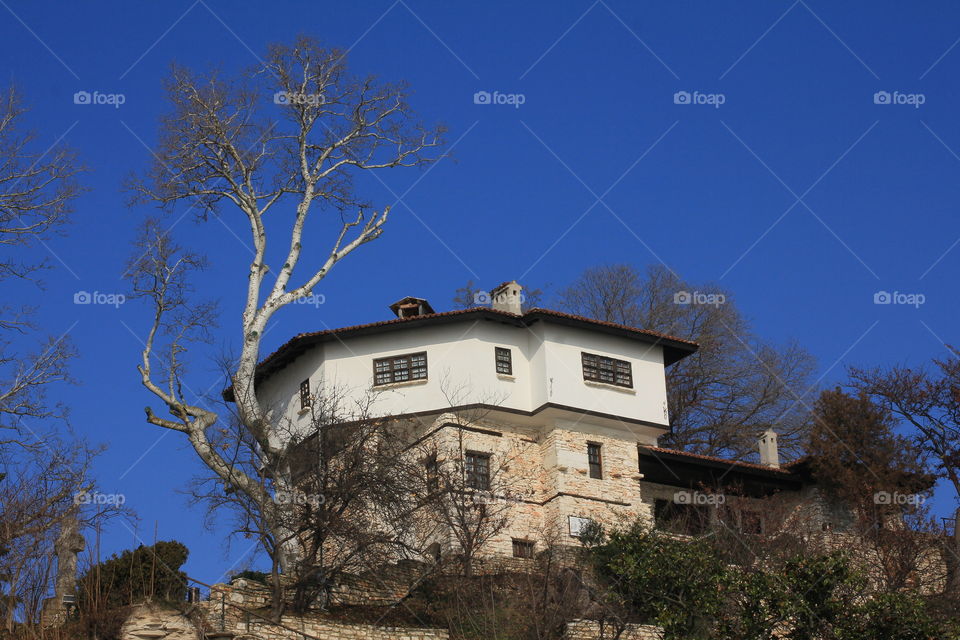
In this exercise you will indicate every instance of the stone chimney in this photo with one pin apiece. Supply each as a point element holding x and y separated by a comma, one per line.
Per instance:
<point>411,307</point>
<point>769,452</point>
<point>508,297</point>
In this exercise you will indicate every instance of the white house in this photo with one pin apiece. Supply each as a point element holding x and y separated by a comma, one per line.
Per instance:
<point>578,404</point>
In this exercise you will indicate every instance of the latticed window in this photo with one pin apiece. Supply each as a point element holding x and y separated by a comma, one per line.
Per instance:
<point>608,370</point>
<point>522,548</point>
<point>305,394</point>
<point>478,470</point>
<point>504,359</point>
<point>412,366</point>
<point>594,460</point>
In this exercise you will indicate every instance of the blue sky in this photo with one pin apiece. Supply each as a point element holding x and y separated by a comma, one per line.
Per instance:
<point>799,192</point>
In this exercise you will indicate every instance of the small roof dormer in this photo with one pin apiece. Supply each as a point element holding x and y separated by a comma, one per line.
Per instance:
<point>411,307</point>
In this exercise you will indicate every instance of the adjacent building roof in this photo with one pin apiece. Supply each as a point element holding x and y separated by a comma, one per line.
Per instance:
<point>683,469</point>
<point>673,348</point>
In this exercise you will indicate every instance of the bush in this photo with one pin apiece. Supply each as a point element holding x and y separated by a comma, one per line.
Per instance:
<point>145,573</point>
<point>685,586</point>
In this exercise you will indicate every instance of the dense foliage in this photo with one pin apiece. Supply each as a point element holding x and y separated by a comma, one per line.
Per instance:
<point>684,586</point>
<point>144,573</point>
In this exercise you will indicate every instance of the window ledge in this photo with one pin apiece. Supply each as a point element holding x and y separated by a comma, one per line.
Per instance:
<point>612,387</point>
<point>303,411</point>
<point>397,385</point>
<point>507,377</point>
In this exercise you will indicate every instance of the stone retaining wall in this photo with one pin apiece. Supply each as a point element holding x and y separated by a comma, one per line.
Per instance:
<point>300,627</point>
<point>593,630</point>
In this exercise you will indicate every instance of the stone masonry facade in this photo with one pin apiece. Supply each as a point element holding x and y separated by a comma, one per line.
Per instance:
<point>543,473</point>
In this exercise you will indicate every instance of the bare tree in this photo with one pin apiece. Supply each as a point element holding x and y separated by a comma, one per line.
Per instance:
<point>43,487</point>
<point>351,507</point>
<point>736,385</point>
<point>37,191</point>
<point>928,402</point>
<point>41,471</point>
<point>218,150</point>
<point>468,486</point>
<point>469,494</point>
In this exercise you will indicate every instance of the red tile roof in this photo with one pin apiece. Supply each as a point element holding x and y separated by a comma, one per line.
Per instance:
<point>699,456</point>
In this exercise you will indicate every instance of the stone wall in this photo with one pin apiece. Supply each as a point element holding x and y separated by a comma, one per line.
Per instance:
<point>155,622</point>
<point>593,630</point>
<point>544,475</point>
<point>317,628</point>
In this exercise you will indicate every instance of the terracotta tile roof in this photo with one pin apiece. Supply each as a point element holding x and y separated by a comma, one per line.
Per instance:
<point>604,323</point>
<point>737,463</point>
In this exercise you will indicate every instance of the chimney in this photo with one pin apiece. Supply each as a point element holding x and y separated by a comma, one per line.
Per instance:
<point>769,453</point>
<point>508,297</point>
<point>411,307</point>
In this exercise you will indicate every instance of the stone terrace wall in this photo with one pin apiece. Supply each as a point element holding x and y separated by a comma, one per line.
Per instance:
<point>227,615</point>
<point>591,630</point>
<point>299,627</point>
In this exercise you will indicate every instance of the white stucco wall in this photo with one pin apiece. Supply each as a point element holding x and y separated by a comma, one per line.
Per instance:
<point>461,370</point>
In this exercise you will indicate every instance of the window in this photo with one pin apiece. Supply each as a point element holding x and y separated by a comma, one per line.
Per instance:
<point>504,358</point>
<point>608,370</point>
<point>433,473</point>
<point>686,519</point>
<point>305,394</point>
<point>478,470</point>
<point>522,548</point>
<point>412,366</point>
<point>593,458</point>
